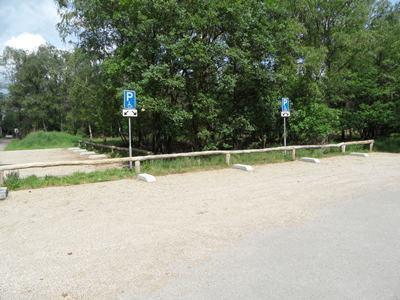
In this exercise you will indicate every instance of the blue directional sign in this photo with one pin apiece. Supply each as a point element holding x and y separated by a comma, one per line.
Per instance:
<point>129,99</point>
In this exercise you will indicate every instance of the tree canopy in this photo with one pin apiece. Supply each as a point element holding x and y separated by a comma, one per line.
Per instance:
<point>210,74</point>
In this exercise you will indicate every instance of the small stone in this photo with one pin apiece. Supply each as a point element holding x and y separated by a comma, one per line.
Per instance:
<point>3,193</point>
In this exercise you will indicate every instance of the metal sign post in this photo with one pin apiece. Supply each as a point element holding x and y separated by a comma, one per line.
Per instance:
<point>130,142</point>
<point>285,113</point>
<point>284,132</point>
<point>130,111</point>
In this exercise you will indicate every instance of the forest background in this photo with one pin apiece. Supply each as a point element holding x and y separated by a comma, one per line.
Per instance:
<point>210,74</point>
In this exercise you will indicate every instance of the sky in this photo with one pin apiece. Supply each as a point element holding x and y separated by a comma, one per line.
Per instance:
<point>26,24</point>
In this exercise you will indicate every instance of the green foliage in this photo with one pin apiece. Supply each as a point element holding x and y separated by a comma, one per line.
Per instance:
<point>35,91</point>
<point>315,122</point>
<point>209,74</point>
<point>388,144</point>
<point>44,140</point>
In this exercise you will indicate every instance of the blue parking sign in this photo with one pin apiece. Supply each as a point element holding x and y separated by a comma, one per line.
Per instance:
<point>129,99</point>
<point>285,105</point>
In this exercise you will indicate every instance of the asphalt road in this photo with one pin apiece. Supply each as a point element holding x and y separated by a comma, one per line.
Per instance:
<point>350,251</point>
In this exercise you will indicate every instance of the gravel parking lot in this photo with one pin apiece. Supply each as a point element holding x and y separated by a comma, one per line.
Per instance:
<point>125,239</point>
<point>46,155</point>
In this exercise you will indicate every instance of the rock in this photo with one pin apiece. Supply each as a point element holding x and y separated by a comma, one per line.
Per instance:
<point>246,168</point>
<point>146,177</point>
<point>3,193</point>
<point>310,160</point>
<point>359,154</point>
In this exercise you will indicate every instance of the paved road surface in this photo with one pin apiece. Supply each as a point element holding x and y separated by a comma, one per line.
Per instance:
<point>350,251</point>
<point>286,231</point>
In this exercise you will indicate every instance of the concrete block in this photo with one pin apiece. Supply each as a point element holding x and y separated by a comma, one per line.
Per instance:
<point>3,193</point>
<point>310,160</point>
<point>97,156</point>
<point>359,154</point>
<point>74,148</point>
<point>246,168</point>
<point>146,177</point>
<point>87,153</point>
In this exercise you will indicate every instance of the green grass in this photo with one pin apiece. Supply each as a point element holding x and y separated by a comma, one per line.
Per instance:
<point>166,166</point>
<point>388,144</point>
<point>44,140</point>
<point>14,182</point>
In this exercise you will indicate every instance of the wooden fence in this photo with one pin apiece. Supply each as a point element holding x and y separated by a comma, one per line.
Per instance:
<point>138,159</point>
<point>84,144</point>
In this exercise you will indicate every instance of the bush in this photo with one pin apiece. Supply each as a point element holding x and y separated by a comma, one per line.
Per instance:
<point>315,123</point>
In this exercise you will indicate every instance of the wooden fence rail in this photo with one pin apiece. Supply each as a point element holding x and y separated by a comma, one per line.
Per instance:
<point>113,148</point>
<point>138,159</point>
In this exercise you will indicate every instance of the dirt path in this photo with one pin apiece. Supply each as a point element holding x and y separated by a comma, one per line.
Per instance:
<point>4,143</point>
<point>45,155</point>
<point>123,239</point>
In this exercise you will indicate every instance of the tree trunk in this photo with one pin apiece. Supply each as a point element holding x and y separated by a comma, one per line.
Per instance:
<point>44,125</point>
<point>90,132</point>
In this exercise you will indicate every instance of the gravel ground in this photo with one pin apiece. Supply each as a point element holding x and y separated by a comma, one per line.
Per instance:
<point>45,155</point>
<point>4,143</point>
<point>123,239</point>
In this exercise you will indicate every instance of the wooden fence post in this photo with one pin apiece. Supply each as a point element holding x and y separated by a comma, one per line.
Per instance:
<point>343,148</point>
<point>228,158</point>
<point>1,177</point>
<point>294,154</point>
<point>137,166</point>
<point>371,146</point>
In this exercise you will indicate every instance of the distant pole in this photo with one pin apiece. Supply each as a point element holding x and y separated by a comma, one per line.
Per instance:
<point>130,144</point>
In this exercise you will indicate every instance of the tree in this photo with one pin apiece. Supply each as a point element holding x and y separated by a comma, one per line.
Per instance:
<point>210,74</point>
<point>35,88</point>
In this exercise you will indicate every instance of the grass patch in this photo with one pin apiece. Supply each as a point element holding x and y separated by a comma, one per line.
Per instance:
<point>14,182</point>
<point>166,166</point>
<point>44,140</point>
<point>182,165</point>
